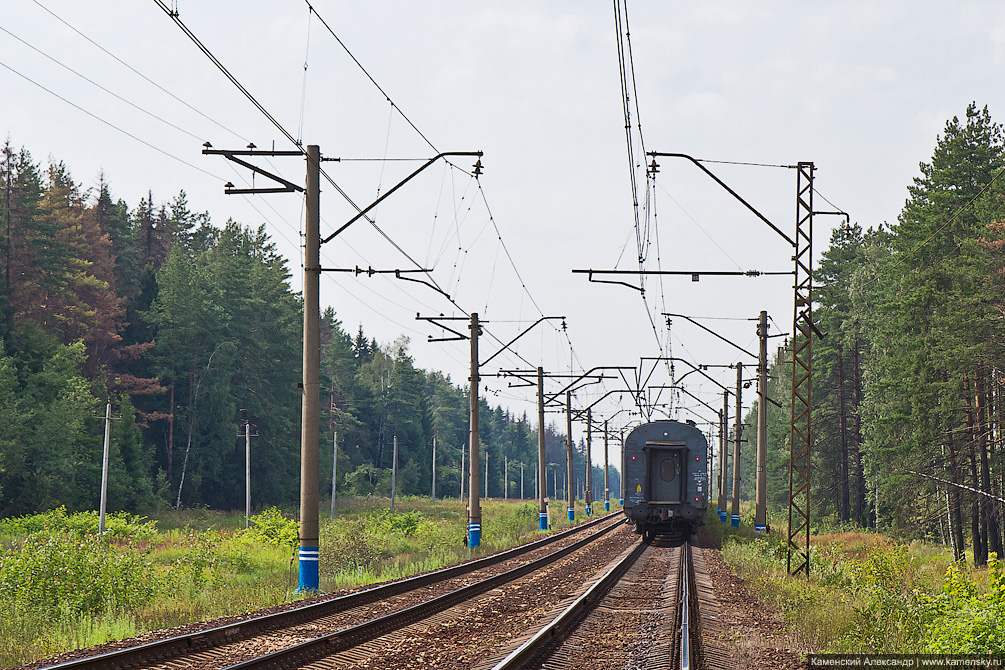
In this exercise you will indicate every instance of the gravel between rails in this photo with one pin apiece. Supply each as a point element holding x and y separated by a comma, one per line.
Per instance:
<point>465,635</point>
<point>633,625</point>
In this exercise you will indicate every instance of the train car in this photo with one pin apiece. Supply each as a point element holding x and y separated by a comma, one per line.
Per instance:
<point>665,478</point>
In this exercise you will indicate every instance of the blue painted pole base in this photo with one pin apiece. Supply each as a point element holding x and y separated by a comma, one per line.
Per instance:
<point>543,517</point>
<point>621,501</point>
<point>607,505</point>
<point>308,570</point>
<point>572,514</point>
<point>760,528</point>
<point>588,510</point>
<point>735,520</point>
<point>723,516</point>
<point>474,534</point>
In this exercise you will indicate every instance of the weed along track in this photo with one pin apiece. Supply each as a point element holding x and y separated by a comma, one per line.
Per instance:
<point>351,620</point>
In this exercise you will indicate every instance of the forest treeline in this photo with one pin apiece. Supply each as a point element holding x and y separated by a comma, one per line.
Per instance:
<point>909,380</point>
<point>191,330</point>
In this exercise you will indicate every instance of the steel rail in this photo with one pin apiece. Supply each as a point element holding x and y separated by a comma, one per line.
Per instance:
<point>685,605</point>
<point>312,650</point>
<point>527,653</point>
<point>179,645</point>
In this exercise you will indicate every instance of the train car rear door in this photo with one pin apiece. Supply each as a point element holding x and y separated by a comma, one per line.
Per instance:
<point>667,471</point>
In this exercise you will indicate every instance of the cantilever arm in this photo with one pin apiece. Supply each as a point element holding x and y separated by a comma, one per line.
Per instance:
<point>394,188</point>
<point>721,183</point>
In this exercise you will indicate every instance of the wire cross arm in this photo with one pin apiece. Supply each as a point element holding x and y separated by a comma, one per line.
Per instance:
<point>363,212</point>
<point>371,271</point>
<point>686,273</point>
<point>232,155</point>
<point>437,321</point>
<point>398,274</point>
<point>590,278</point>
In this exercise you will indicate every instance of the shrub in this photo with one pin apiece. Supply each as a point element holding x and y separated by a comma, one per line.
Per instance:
<point>968,621</point>
<point>348,546</point>
<point>55,573</point>
<point>117,524</point>
<point>271,527</point>
<point>409,523</point>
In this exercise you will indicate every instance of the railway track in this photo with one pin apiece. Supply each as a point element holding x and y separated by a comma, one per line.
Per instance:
<point>297,637</point>
<point>652,607</point>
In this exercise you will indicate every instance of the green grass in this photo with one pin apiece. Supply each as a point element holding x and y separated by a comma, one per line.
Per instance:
<point>867,592</point>
<point>193,565</point>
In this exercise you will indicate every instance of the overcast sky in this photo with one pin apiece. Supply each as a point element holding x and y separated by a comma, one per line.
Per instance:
<point>862,89</point>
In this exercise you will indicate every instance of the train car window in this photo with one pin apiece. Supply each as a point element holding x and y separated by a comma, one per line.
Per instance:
<point>668,469</point>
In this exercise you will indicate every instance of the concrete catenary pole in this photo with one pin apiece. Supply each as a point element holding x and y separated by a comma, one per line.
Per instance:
<point>588,495</point>
<point>522,479</point>
<point>104,467</point>
<point>542,470</point>
<point>738,431</point>
<point>462,477</point>
<point>505,477</point>
<point>310,451</point>
<point>434,468</point>
<point>761,504</point>
<point>570,483</point>
<point>474,505</point>
<point>607,477</point>
<point>723,460</point>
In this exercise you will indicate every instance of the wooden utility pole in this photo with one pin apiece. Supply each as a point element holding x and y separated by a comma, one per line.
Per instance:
<point>738,430</point>
<point>247,474</point>
<point>104,466</point>
<point>394,472</point>
<point>621,441</point>
<point>334,470</point>
<point>761,504</point>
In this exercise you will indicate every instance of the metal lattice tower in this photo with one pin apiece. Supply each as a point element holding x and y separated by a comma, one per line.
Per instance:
<point>802,367</point>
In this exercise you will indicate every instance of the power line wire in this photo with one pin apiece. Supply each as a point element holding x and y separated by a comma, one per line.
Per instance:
<point>110,124</point>
<point>173,14</point>
<point>368,76</point>
<point>94,83</point>
<point>138,73</point>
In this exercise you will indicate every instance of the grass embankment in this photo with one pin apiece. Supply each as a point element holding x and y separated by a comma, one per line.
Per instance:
<point>62,587</point>
<point>869,593</point>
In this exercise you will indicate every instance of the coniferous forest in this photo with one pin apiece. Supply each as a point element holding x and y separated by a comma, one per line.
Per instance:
<point>190,329</point>
<point>909,409</point>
